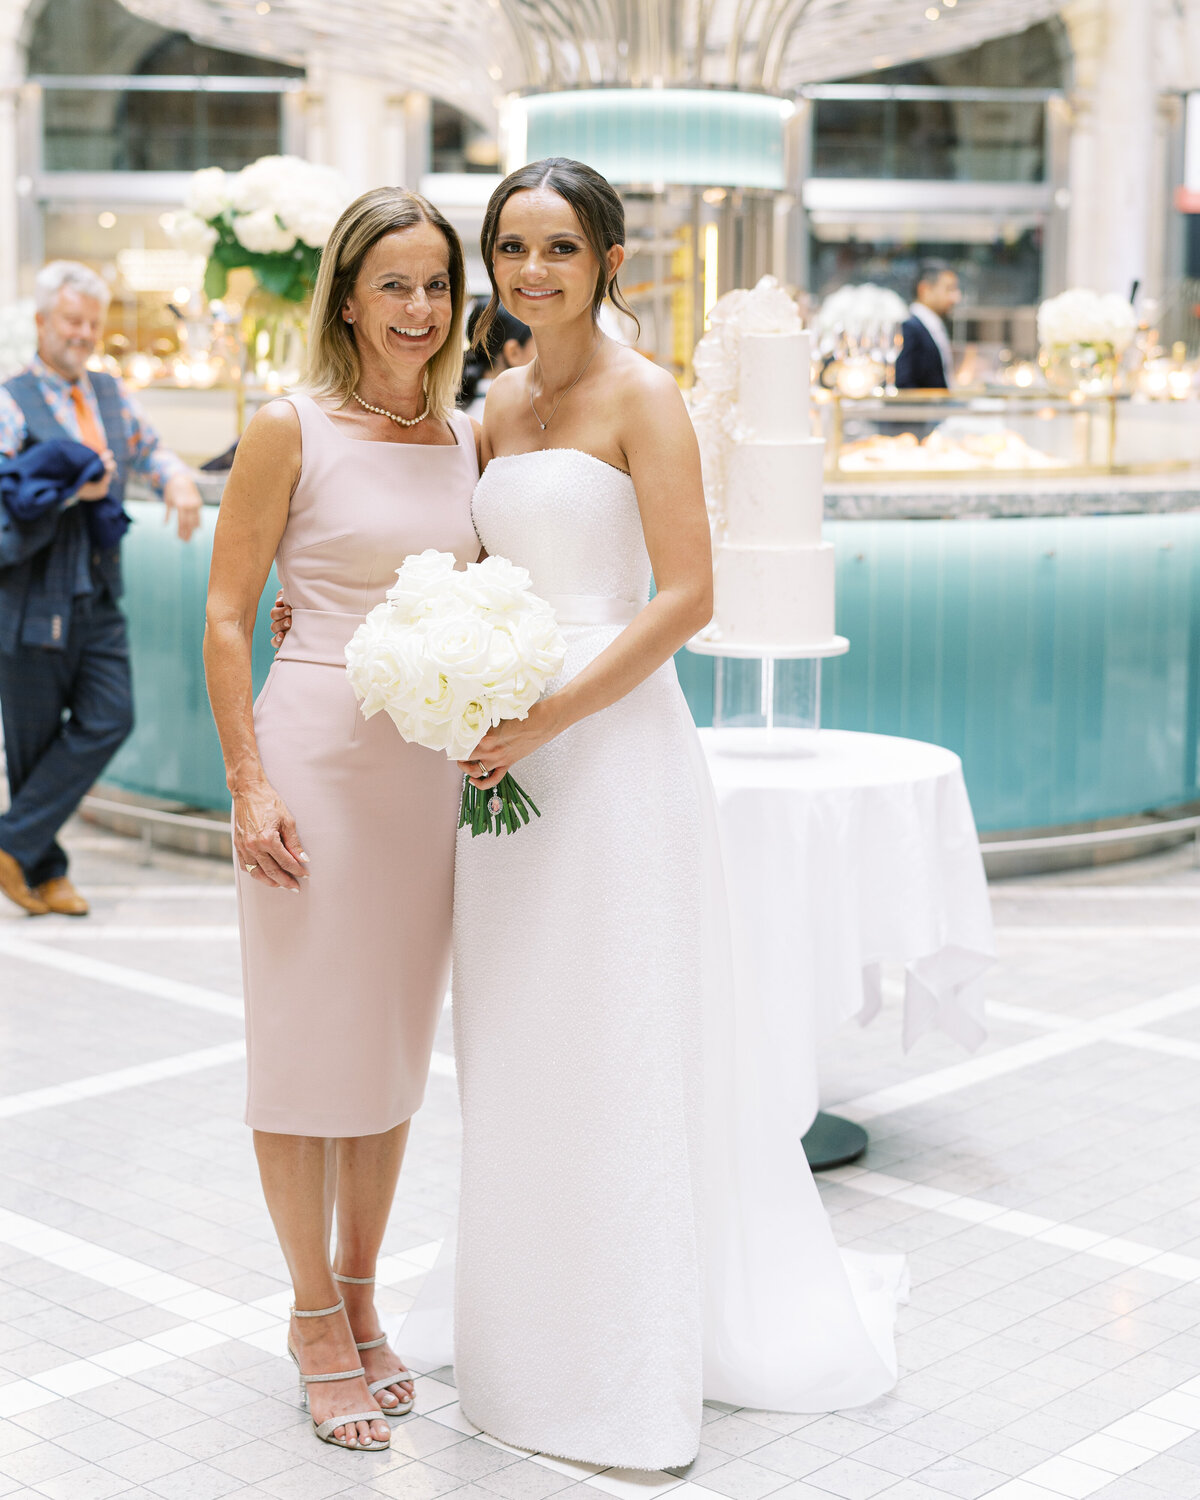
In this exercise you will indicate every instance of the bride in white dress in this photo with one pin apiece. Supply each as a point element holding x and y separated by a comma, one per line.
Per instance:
<point>601,1288</point>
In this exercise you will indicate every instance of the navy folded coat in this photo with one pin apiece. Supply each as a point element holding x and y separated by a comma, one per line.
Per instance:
<point>45,544</point>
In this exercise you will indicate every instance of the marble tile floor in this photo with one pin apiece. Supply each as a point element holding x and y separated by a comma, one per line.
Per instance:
<point>1045,1191</point>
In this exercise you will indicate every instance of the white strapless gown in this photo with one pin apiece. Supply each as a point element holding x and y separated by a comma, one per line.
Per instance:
<point>633,1232</point>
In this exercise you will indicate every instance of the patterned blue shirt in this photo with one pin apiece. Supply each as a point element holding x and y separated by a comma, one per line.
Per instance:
<point>147,457</point>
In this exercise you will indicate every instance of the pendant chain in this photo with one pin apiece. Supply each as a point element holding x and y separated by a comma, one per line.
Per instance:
<point>383,412</point>
<point>571,387</point>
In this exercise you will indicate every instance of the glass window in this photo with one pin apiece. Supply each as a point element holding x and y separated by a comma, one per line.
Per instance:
<point>941,139</point>
<point>135,130</point>
<point>947,139</point>
<point>460,144</point>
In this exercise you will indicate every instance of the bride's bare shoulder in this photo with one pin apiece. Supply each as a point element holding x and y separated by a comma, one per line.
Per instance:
<point>646,389</point>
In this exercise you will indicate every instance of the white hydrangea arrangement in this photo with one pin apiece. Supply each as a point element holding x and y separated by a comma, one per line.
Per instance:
<point>448,655</point>
<point>863,311</point>
<point>1080,316</point>
<point>274,216</point>
<point>18,337</point>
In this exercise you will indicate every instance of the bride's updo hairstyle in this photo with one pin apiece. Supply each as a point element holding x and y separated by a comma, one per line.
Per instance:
<point>333,367</point>
<point>598,208</point>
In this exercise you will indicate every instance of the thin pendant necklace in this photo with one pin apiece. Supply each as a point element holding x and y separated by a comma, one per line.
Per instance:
<point>383,411</point>
<point>571,387</point>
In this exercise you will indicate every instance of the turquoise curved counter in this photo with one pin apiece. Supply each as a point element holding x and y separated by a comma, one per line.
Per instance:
<point>1058,655</point>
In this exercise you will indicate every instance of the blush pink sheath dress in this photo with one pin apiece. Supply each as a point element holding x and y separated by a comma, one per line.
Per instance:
<point>343,983</point>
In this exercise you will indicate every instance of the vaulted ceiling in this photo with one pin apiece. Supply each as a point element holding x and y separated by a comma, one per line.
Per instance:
<point>474,52</point>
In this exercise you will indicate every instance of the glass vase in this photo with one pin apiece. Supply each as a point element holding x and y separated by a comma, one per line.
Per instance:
<point>275,336</point>
<point>1086,369</point>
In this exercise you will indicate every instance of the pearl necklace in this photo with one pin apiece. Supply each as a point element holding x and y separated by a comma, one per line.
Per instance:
<point>571,387</point>
<point>383,412</point>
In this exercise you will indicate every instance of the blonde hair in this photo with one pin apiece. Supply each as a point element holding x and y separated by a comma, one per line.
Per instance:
<point>333,367</point>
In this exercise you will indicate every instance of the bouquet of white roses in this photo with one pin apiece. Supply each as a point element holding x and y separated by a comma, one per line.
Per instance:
<point>273,216</point>
<point>448,655</point>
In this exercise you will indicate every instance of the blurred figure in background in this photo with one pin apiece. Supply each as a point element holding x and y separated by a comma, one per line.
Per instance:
<point>926,361</point>
<point>509,343</point>
<point>65,691</point>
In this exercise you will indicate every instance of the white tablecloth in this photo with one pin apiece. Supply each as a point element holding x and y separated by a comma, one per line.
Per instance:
<point>843,852</point>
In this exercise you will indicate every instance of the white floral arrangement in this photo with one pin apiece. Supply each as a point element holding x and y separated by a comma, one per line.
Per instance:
<point>448,655</point>
<point>765,308</point>
<point>1080,316</point>
<point>18,337</point>
<point>865,311</point>
<point>273,216</point>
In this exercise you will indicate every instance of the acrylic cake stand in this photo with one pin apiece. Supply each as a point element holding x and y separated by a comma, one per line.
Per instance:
<point>769,699</point>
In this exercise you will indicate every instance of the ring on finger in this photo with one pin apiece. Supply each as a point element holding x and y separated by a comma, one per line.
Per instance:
<point>483,770</point>
<point>250,869</point>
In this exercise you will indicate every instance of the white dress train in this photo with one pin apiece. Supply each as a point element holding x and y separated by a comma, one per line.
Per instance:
<point>632,1232</point>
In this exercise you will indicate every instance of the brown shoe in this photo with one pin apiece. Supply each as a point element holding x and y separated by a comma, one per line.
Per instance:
<point>60,896</point>
<point>12,883</point>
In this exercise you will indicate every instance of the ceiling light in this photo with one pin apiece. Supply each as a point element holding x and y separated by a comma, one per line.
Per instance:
<point>263,8</point>
<point>106,220</point>
<point>932,13</point>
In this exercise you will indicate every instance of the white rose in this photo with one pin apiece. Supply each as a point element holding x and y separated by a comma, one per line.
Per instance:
<point>385,663</point>
<point>422,582</point>
<point>208,193</point>
<point>506,681</point>
<point>262,233</point>
<point>494,584</point>
<point>192,234</point>
<point>458,647</point>
<point>431,731</point>
<point>539,643</point>
<point>473,722</point>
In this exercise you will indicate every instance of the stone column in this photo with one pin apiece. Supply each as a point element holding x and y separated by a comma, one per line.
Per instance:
<point>348,126</point>
<point>12,72</point>
<point>1115,147</point>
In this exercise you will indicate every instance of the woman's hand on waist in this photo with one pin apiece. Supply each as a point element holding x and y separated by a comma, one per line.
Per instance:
<point>265,840</point>
<point>512,740</point>
<point>281,619</point>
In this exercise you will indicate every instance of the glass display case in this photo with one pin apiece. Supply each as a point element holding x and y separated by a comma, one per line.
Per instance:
<point>990,432</point>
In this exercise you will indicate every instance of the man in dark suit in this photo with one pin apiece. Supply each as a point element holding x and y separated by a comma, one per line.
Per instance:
<point>925,362</point>
<point>65,690</point>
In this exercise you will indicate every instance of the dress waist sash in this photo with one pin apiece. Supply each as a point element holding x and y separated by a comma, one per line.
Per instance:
<point>320,636</point>
<point>592,609</point>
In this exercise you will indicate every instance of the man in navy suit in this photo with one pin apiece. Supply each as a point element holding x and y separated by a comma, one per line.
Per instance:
<point>926,362</point>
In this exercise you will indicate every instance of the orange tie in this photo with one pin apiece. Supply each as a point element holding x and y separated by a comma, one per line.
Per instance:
<point>89,428</point>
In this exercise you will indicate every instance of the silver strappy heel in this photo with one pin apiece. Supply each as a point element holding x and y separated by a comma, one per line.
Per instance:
<point>325,1430</point>
<point>403,1377</point>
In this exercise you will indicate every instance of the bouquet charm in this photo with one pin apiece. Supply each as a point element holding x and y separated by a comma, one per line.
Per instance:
<point>447,656</point>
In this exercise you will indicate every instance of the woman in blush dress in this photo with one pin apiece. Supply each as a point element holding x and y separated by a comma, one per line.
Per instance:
<point>343,985</point>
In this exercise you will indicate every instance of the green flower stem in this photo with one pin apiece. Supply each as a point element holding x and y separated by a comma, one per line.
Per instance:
<point>515,807</point>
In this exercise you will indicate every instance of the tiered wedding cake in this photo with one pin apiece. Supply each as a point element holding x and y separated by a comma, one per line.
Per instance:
<point>763,480</point>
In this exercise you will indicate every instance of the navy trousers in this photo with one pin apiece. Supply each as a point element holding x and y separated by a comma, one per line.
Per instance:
<point>66,713</point>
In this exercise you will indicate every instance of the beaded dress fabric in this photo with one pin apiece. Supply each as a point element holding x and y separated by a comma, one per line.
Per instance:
<point>631,1232</point>
<point>577,1031</point>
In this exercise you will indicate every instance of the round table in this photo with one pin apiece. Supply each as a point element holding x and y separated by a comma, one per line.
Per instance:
<point>843,852</point>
